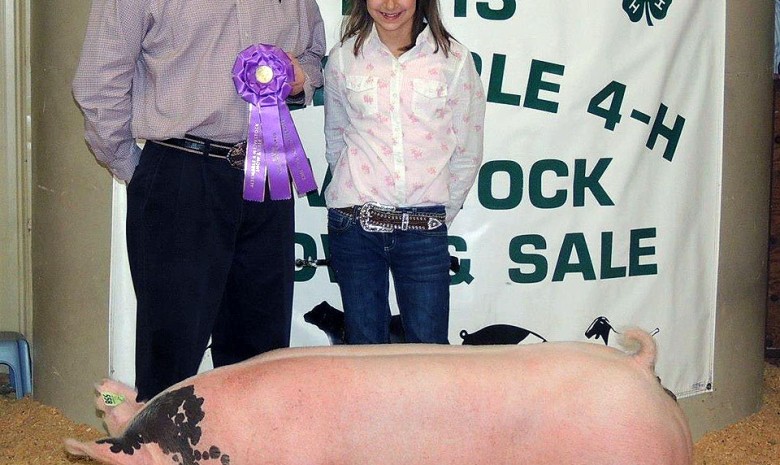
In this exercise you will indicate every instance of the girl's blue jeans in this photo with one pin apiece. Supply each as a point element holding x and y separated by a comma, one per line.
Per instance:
<point>419,262</point>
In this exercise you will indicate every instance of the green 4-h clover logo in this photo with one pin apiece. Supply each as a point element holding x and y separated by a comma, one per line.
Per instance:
<point>638,8</point>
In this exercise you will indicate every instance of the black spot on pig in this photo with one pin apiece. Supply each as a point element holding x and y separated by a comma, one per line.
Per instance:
<point>497,334</point>
<point>331,321</point>
<point>171,420</point>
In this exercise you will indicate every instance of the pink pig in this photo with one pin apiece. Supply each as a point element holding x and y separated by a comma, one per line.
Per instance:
<point>555,403</point>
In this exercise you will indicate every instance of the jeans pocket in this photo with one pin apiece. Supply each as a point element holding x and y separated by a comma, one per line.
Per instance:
<point>338,222</point>
<point>433,233</point>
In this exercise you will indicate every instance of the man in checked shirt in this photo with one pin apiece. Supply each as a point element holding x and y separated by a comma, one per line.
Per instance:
<point>204,261</point>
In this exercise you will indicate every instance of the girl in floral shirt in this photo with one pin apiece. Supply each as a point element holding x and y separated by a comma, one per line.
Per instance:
<point>404,115</point>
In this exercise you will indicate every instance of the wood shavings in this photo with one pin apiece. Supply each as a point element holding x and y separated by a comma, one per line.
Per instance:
<point>753,441</point>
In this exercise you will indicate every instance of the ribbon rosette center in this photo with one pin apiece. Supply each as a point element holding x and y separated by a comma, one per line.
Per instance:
<point>264,74</point>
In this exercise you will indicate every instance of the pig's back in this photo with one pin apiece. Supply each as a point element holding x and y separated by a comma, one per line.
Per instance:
<point>547,403</point>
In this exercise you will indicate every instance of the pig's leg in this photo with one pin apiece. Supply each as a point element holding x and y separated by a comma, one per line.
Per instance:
<point>102,453</point>
<point>166,430</point>
<point>118,404</point>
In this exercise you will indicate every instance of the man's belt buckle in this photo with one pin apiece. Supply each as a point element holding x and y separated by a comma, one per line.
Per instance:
<point>366,221</point>
<point>236,155</point>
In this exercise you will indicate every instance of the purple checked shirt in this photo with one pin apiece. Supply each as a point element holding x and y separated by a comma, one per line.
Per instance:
<point>157,69</point>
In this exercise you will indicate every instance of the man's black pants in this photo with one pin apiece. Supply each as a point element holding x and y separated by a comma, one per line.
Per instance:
<point>204,262</point>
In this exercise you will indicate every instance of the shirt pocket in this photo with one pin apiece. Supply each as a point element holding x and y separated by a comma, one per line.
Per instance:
<point>429,98</point>
<point>362,94</point>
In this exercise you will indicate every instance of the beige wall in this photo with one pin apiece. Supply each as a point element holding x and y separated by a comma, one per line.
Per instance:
<point>15,292</point>
<point>71,214</point>
<point>741,302</point>
<point>71,197</point>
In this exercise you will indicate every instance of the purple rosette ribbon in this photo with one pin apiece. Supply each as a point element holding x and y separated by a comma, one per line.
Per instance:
<point>262,74</point>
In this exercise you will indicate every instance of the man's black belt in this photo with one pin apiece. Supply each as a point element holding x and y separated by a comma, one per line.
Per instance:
<point>376,217</point>
<point>234,154</point>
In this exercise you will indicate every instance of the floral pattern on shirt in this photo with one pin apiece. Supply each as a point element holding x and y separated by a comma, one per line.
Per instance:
<point>404,131</point>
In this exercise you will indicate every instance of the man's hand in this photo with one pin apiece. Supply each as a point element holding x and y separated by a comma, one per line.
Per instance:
<point>300,76</point>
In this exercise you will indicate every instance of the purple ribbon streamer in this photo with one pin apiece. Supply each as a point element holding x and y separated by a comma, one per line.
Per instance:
<point>274,148</point>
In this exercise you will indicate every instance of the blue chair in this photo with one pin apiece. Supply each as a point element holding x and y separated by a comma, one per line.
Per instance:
<point>15,352</point>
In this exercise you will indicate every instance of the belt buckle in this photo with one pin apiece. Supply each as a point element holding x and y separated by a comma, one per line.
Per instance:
<point>236,155</point>
<point>434,223</point>
<point>365,217</point>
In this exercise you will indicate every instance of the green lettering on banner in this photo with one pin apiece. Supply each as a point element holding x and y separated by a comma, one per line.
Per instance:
<point>537,261</point>
<point>614,91</point>
<point>464,273</point>
<point>576,244</point>
<point>535,194</point>
<point>460,8</point>
<point>318,99</point>
<point>583,181</point>
<point>564,266</point>
<point>637,252</point>
<point>317,198</point>
<point>537,84</point>
<point>496,82</point>
<point>326,253</point>
<point>607,270</point>
<point>309,251</point>
<point>305,273</point>
<point>483,10</point>
<point>485,185</point>
<point>477,62</point>
<point>672,135</point>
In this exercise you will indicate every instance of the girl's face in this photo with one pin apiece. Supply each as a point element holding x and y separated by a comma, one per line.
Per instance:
<point>394,20</point>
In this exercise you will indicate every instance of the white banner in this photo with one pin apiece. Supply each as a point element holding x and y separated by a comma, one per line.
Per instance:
<point>597,205</point>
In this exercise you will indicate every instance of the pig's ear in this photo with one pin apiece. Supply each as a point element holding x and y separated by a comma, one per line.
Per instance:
<point>102,453</point>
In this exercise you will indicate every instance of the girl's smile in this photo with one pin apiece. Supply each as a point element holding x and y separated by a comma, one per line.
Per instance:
<point>394,20</point>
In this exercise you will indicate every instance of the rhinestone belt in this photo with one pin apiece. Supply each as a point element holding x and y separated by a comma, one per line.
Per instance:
<point>375,217</point>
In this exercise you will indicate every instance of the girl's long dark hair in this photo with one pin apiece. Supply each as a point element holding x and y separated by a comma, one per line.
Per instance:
<point>359,23</point>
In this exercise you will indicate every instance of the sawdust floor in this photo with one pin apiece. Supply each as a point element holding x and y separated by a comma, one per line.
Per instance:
<point>32,433</point>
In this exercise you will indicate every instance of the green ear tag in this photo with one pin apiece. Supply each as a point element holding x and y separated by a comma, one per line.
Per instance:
<point>111,399</point>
